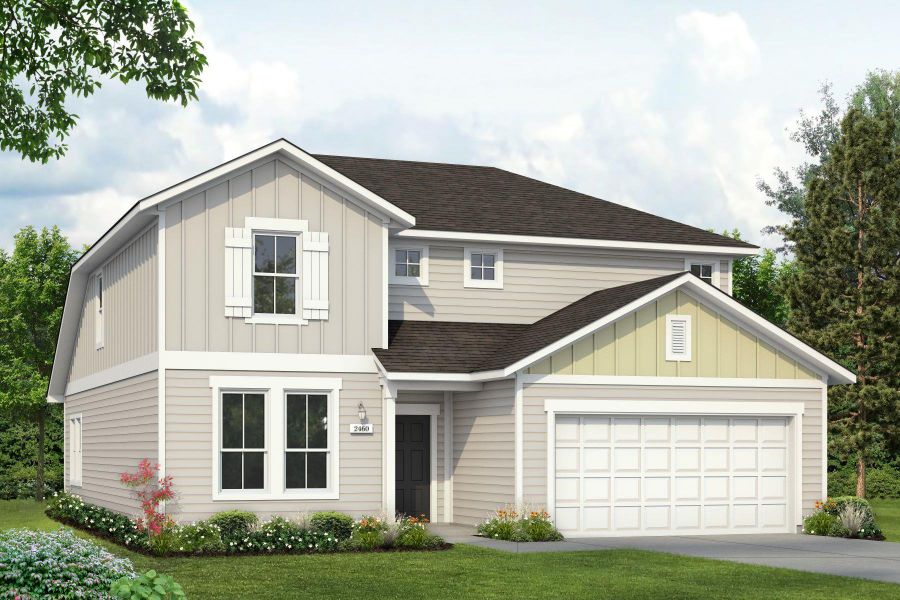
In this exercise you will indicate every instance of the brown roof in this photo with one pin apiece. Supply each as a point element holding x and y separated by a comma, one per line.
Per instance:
<point>475,199</point>
<point>451,347</point>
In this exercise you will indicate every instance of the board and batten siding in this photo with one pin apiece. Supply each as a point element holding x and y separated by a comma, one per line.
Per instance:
<point>407,397</point>
<point>635,345</point>
<point>195,266</point>
<point>536,282</point>
<point>535,424</point>
<point>189,448</point>
<point>119,428</point>
<point>129,310</point>
<point>483,451</point>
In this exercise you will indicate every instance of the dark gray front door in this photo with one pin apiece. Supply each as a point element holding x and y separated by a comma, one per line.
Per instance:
<point>413,439</point>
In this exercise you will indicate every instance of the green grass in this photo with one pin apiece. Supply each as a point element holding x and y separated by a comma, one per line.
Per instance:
<point>469,572</point>
<point>887,515</point>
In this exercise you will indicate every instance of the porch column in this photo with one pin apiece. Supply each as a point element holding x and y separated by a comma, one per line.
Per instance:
<point>448,457</point>
<point>389,501</point>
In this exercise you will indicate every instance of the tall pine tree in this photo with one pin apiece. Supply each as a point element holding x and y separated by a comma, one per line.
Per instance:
<point>843,294</point>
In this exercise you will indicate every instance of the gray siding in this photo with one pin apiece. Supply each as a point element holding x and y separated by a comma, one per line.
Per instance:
<point>537,281</point>
<point>129,307</point>
<point>483,451</point>
<point>535,425</point>
<point>119,429</point>
<point>189,448</point>
<point>432,398</point>
<point>195,266</point>
<point>725,274</point>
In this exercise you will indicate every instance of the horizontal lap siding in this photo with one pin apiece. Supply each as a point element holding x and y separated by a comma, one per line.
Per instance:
<point>432,398</point>
<point>483,448</point>
<point>129,306</point>
<point>536,282</point>
<point>189,446</point>
<point>119,429</point>
<point>535,425</point>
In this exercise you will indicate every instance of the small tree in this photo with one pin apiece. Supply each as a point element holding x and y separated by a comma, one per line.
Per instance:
<point>151,491</point>
<point>33,283</point>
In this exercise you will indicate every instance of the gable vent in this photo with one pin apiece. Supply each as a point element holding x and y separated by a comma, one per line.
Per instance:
<point>678,337</point>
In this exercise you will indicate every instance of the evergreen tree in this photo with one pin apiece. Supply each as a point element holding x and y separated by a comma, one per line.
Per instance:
<point>843,293</point>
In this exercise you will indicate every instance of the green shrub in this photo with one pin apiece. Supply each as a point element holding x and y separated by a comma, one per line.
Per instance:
<point>368,533</point>
<point>201,537</point>
<point>819,523</point>
<point>539,528</point>
<point>850,517</point>
<point>337,524</point>
<point>513,525</point>
<point>70,509</point>
<point>234,526</point>
<point>37,564</point>
<point>881,482</point>
<point>148,586</point>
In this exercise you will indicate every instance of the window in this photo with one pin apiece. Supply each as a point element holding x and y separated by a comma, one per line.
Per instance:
<point>243,441</point>
<point>678,337</point>
<point>306,441</point>
<point>707,269</point>
<point>704,272</point>
<point>98,317</point>
<point>409,265</point>
<point>75,453</point>
<point>275,274</point>
<point>483,268</point>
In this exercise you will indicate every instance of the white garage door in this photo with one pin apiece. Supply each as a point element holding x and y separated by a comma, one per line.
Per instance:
<point>668,475</point>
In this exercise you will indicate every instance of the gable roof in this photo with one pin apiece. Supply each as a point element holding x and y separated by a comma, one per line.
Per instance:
<point>446,196</point>
<point>503,351</point>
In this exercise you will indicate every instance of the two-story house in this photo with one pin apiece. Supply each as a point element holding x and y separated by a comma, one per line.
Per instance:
<point>290,332</point>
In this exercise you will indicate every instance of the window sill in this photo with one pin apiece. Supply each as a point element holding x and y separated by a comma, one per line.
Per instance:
<point>416,281</point>
<point>285,496</point>
<point>484,285</point>
<point>276,320</point>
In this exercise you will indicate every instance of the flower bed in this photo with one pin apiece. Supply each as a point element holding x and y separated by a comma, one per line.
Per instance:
<point>239,532</point>
<point>523,525</point>
<point>846,516</point>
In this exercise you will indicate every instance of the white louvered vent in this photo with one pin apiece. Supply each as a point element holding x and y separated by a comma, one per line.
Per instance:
<point>678,337</point>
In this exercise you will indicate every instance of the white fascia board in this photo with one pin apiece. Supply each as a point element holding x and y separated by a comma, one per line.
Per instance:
<point>718,299</point>
<point>639,380</point>
<point>399,377</point>
<point>293,152</point>
<point>500,238</point>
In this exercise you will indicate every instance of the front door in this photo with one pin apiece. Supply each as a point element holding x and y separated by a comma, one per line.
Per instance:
<point>413,438</point>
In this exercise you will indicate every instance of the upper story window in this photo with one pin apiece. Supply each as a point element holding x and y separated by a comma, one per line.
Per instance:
<point>705,269</point>
<point>483,268</point>
<point>409,265</point>
<point>98,316</point>
<point>275,274</point>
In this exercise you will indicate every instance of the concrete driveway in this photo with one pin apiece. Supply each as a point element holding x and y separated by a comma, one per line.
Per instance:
<point>835,556</point>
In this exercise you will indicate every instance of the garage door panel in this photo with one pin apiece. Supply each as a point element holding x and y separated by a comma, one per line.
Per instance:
<point>685,474</point>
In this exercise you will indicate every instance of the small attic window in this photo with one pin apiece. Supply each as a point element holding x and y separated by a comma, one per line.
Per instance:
<point>678,337</point>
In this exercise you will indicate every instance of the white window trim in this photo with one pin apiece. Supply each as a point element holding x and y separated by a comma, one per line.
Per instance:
<point>422,279</point>
<point>266,226</point>
<point>432,411</point>
<point>670,356</point>
<point>73,460</point>
<point>497,282</point>
<point>642,407</point>
<point>264,449</point>
<point>705,260</point>
<point>275,389</point>
<point>99,321</point>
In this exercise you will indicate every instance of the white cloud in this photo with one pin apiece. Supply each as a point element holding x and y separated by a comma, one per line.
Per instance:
<point>720,46</point>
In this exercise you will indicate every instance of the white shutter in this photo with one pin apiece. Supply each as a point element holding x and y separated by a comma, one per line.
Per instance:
<point>238,272</point>
<point>75,454</point>
<point>315,275</point>
<point>678,337</point>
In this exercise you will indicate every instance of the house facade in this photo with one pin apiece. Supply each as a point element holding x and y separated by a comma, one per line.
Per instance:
<point>290,332</point>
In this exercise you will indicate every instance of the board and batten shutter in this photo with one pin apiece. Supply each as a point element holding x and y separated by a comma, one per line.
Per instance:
<point>314,275</point>
<point>238,272</point>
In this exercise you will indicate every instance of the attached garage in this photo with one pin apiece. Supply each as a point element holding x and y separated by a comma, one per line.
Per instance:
<point>672,474</point>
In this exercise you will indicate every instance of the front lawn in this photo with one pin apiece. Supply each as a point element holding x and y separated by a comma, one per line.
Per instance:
<point>469,572</point>
<point>887,515</point>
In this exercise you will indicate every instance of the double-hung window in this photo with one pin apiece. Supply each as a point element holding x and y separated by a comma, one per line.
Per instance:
<point>243,441</point>
<point>275,274</point>
<point>306,441</point>
<point>483,268</point>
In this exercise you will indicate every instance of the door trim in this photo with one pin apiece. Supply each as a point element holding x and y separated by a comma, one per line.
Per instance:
<point>650,407</point>
<point>432,411</point>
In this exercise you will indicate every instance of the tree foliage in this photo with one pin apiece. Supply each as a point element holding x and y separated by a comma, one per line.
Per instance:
<point>844,292</point>
<point>33,283</point>
<point>757,281</point>
<point>52,49</point>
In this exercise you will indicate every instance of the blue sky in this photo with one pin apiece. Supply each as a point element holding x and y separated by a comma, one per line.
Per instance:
<point>671,107</point>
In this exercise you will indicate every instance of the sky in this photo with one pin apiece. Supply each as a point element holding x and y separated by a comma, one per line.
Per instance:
<point>676,108</point>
